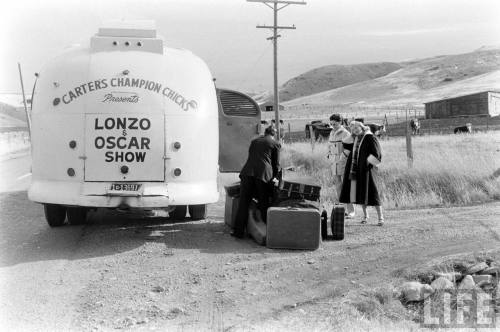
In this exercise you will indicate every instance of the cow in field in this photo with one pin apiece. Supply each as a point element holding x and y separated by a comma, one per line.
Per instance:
<point>467,129</point>
<point>415,126</point>
<point>376,129</point>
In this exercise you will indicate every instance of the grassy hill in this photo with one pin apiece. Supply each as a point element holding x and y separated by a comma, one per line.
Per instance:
<point>332,77</point>
<point>418,81</point>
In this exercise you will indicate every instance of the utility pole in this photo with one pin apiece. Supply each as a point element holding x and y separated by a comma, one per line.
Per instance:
<point>274,38</point>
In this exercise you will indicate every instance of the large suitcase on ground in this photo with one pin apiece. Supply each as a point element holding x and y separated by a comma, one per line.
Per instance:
<point>255,226</point>
<point>230,210</point>
<point>337,222</point>
<point>293,228</point>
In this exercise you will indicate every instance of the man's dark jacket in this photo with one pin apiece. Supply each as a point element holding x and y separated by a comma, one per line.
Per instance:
<point>263,159</point>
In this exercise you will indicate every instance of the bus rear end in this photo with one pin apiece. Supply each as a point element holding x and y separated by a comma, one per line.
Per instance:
<point>124,123</point>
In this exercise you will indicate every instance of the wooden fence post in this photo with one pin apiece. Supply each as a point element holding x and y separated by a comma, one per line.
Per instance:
<point>311,135</point>
<point>409,150</point>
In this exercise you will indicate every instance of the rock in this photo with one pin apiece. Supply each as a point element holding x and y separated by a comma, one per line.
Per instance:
<point>482,279</point>
<point>477,268</point>
<point>311,261</point>
<point>451,276</point>
<point>442,284</point>
<point>415,291</point>
<point>493,270</point>
<point>128,321</point>
<point>158,289</point>
<point>467,283</point>
<point>144,320</point>
<point>486,286</point>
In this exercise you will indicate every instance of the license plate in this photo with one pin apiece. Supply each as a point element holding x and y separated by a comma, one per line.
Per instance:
<point>133,189</point>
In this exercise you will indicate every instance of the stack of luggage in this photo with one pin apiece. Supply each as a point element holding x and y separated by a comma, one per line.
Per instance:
<point>293,221</point>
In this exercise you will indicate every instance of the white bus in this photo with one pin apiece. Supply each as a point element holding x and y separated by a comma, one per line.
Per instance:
<point>128,123</point>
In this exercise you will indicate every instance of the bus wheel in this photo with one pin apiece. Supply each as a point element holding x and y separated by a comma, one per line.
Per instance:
<point>54,214</point>
<point>198,212</point>
<point>77,215</point>
<point>179,213</point>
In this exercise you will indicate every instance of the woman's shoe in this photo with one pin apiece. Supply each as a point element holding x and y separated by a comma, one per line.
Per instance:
<point>349,215</point>
<point>381,222</point>
<point>364,220</point>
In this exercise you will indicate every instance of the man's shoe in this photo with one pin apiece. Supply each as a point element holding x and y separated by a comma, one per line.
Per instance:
<point>237,235</point>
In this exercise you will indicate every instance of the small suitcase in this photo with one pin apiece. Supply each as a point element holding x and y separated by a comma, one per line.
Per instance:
<point>255,226</point>
<point>337,221</point>
<point>299,188</point>
<point>230,209</point>
<point>233,189</point>
<point>293,228</point>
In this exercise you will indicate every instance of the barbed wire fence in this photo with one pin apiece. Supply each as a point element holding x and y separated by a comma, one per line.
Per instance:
<point>389,114</point>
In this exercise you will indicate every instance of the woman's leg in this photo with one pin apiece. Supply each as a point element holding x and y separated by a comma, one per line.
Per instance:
<point>380,214</point>
<point>365,214</point>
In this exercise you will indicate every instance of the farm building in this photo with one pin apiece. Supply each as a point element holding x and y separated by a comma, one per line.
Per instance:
<point>477,104</point>
<point>268,106</point>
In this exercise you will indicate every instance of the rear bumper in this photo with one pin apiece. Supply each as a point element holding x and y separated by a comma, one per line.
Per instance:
<point>94,194</point>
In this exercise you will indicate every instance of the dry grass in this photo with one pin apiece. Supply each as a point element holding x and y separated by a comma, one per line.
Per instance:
<point>447,170</point>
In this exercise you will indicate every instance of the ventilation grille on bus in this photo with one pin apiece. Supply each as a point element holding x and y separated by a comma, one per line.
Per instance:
<point>235,104</point>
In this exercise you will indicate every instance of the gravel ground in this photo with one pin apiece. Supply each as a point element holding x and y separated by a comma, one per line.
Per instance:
<point>137,272</point>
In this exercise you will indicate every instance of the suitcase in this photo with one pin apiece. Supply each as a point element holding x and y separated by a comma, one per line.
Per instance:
<point>293,228</point>
<point>230,209</point>
<point>299,188</point>
<point>233,189</point>
<point>255,226</point>
<point>298,203</point>
<point>337,222</point>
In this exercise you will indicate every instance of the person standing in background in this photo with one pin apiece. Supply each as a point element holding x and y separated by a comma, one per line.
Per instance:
<point>359,185</point>
<point>338,157</point>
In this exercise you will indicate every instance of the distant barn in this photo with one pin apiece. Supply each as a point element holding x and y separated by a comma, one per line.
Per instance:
<point>268,106</point>
<point>477,104</point>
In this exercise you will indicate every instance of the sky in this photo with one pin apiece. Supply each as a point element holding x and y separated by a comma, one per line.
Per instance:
<point>224,33</point>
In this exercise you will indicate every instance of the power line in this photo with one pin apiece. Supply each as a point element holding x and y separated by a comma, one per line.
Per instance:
<point>274,38</point>
<point>252,67</point>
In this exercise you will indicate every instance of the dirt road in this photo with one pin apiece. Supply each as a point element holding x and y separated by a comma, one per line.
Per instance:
<point>137,272</point>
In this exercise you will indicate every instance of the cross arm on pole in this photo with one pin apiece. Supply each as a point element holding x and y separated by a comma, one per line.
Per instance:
<point>274,27</point>
<point>288,2</point>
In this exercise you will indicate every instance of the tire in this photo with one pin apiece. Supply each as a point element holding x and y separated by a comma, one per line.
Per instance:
<point>77,215</point>
<point>179,213</point>
<point>198,212</point>
<point>55,214</point>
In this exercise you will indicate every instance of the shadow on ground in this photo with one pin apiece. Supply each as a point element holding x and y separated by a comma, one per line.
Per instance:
<point>26,237</point>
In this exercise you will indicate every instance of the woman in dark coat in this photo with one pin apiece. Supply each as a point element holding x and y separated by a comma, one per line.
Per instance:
<point>359,185</point>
